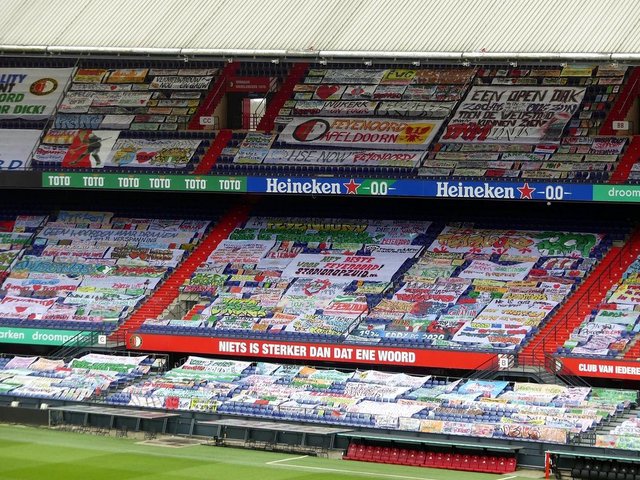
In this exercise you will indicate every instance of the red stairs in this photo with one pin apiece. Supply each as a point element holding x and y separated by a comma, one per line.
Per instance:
<point>216,93</point>
<point>587,297</point>
<point>285,93</point>
<point>211,157</point>
<point>630,157</point>
<point>634,352</point>
<point>169,290</point>
<point>623,104</point>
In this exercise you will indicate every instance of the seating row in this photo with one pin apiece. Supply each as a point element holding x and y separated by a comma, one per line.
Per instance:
<point>421,458</point>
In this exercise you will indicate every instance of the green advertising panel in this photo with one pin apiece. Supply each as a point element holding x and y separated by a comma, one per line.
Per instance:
<point>43,336</point>
<point>616,193</point>
<point>143,181</point>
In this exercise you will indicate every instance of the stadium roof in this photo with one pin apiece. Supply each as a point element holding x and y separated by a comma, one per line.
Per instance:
<point>598,30</point>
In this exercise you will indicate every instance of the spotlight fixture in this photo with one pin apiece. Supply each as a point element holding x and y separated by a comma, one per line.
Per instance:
<point>416,63</point>
<point>368,63</point>
<point>466,64</point>
<point>322,62</point>
<point>275,61</point>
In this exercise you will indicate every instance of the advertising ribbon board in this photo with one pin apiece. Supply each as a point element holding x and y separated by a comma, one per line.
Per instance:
<point>311,351</point>
<point>41,336</point>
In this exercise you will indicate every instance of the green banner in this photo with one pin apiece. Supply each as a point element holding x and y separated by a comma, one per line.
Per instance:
<point>42,336</point>
<point>616,193</point>
<point>144,181</point>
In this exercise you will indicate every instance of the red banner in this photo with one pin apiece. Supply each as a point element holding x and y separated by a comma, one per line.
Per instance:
<point>249,84</point>
<point>312,352</point>
<point>589,367</point>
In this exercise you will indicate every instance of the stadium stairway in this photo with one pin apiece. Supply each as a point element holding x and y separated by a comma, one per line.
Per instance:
<point>215,150</point>
<point>623,104</point>
<point>587,297</point>
<point>630,157</point>
<point>285,93</point>
<point>170,289</point>
<point>216,93</point>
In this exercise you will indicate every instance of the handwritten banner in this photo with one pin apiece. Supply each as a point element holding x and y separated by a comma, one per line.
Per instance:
<point>513,114</point>
<point>378,267</point>
<point>373,158</point>
<point>152,153</point>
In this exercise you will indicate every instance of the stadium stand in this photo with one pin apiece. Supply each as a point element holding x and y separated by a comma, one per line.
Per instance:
<point>375,399</point>
<point>481,117</point>
<point>85,378</point>
<point>517,144</point>
<point>133,118</point>
<point>484,122</point>
<point>610,330</point>
<point>86,271</point>
<point>396,283</point>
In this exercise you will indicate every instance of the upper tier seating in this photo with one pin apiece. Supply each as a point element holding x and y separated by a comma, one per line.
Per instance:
<point>400,283</point>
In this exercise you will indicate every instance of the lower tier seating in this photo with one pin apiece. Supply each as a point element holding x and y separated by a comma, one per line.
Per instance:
<point>423,458</point>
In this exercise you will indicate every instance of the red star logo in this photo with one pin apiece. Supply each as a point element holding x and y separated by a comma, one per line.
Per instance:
<point>352,187</point>
<point>526,191</point>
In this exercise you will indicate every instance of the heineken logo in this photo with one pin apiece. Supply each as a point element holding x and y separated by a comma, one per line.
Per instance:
<point>312,186</point>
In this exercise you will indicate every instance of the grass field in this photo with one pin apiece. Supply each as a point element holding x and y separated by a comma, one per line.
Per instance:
<point>41,454</point>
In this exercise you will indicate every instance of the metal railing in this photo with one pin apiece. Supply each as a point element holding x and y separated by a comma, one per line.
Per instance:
<point>577,300</point>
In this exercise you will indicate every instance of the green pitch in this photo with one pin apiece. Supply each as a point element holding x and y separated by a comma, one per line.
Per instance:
<point>41,454</point>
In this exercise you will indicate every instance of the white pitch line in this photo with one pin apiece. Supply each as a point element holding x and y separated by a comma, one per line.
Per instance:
<point>507,478</point>
<point>286,459</point>
<point>352,472</point>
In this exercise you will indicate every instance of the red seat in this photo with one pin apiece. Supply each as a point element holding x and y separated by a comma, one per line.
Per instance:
<point>465,462</point>
<point>369,453</point>
<point>455,461</point>
<point>359,452</point>
<point>511,465</point>
<point>474,463</point>
<point>493,465</point>
<point>351,451</point>
<point>430,459</point>
<point>403,456</point>
<point>483,465</point>
<point>385,455</point>
<point>439,461</point>
<point>420,457</point>
<point>393,456</point>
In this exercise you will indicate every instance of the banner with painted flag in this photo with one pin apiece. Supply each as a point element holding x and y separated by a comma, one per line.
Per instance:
<point>31,93</point>
<point>360,132</point>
